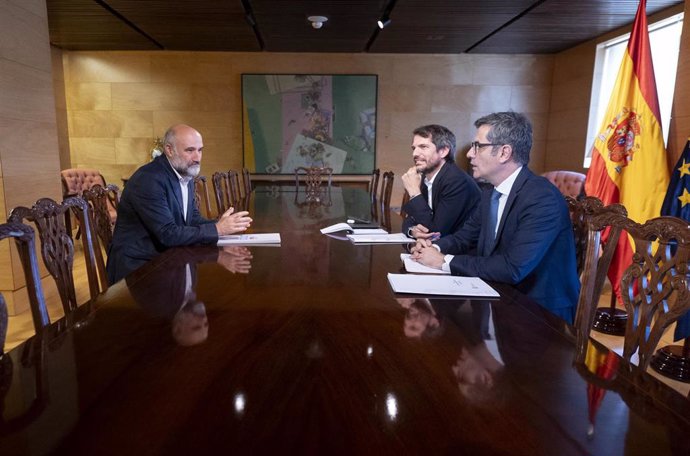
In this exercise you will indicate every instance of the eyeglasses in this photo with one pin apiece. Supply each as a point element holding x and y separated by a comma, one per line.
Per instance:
<point>476,145</point>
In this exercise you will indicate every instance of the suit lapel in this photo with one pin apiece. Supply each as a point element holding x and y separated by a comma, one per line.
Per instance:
<point>173,182</point>
<point>517,186</point>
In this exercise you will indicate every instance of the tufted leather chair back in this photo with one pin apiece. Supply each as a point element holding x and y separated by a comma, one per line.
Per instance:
<point>76,180</point>
<point>569,183</point>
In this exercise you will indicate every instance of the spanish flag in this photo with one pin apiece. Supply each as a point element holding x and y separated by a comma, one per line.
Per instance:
<point>628,157</point>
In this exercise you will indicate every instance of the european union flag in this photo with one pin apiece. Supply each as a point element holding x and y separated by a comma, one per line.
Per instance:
<point>677,204</point>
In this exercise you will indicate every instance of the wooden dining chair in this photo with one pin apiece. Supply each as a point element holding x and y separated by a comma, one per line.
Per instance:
<point>655,288</point>
<point>313,178</point>
<point>246,182</point>
<point>101,201</point>
<point>57,248</point>
<point>374,184</point>
<point>201,196</point>
<point>600,222</point>
<point>403,202</point>
<point>386,188</point>
<point>24,238</point>
<point>221,193</point>
<point>580,213</point>
<point>234,187</point>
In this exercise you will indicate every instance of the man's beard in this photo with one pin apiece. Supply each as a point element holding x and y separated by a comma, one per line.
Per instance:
<point>189,171</point>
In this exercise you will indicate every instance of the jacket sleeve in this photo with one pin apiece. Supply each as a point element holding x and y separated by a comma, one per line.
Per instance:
<point>152,201</point>
<point>523,245</point>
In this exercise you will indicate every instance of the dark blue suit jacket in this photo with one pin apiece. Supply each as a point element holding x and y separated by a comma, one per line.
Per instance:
<point>149,219</point>
<point>534,248</point>
<point>454,197</point>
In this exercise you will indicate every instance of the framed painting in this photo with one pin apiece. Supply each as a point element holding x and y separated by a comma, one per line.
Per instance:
<point>293,120</point>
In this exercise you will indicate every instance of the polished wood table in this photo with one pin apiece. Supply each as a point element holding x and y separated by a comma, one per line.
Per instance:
<point>310,352</point>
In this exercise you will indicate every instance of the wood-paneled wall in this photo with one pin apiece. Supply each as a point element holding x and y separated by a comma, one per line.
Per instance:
<point>117,102</point>
<point>29,160</point>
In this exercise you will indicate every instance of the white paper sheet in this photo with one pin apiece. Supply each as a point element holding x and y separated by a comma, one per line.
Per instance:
<point>243,239</point>
<point>413,266</point>
<point>441,285</point>
<point>397,238</point>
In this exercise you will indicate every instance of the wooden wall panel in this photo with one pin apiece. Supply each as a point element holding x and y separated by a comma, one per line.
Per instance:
<point>203,90</point>
<point>29,152</point>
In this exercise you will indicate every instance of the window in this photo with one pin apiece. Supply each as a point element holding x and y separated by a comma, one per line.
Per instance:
<point>664,38</point>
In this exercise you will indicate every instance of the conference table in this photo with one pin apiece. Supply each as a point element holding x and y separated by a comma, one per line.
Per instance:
<point>305,349</point>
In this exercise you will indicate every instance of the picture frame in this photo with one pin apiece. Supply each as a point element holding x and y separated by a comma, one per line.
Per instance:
<point>309,120</point>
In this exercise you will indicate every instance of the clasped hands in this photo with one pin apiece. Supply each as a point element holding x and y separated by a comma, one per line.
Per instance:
<point>423,252</point>
<point>230,222</point>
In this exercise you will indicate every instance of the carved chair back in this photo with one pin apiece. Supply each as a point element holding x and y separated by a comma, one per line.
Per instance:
<point>100,199</point>
<point>24,238</point>
<point>234,187</point>
<point>247,182</point>
<point>386,188</point>
<point>374,184</point>
<point>313,177</point>
<point>220,191</point>
<point>57,248</point>
<point>604,226</point>
<point>201,196</point>
<point>655,286</point>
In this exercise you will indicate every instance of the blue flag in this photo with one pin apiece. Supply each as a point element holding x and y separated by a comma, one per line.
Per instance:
<point>677,204</point>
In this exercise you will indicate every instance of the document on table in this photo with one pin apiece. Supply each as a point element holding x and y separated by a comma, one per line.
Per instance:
<point>397,238</point>
<point>249,239</point>
<point>441,285</point>
<point>348,228</point>
<point>413,266</point>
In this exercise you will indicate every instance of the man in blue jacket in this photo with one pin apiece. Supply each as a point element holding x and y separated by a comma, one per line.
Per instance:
<point>521,233</point>
<point>442,195</point>
<point>157,209</point>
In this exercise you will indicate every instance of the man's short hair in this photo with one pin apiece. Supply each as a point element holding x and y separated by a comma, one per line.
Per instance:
<point>511,128</point>
<point>440,136</point>
<point>169,137</point>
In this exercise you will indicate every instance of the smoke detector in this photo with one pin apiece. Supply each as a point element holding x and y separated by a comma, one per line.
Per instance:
<point>317,21</point>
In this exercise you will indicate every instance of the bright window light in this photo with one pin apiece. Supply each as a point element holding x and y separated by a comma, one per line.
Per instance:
<point>664,38</point>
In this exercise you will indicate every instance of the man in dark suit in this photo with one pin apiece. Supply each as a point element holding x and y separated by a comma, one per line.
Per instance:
<point>442,196</point>
<point>521,231</point>
<point>157,209</point>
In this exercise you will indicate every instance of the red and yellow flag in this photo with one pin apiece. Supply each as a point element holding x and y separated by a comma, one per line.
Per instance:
<point>628,157</point>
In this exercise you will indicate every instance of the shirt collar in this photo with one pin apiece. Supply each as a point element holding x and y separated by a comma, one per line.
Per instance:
<point>504,187</point>
<point>428,181</point>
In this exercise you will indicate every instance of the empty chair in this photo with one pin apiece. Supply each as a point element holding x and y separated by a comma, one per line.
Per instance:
<point>655,287</point>
<point>374,184</point>
<point>313,178</point>
<point>596,219</point>
<point>57,248</point>
<point>569,183</point>
<point>76,180</point>
<point>103,202</point>
<point>386,188</point>
<point>201,196</point>
<point>246,182</point>
<point>235,188</point>
<point>24,237</point>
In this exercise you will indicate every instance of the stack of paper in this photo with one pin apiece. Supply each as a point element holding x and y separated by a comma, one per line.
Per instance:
<point>349,229</point>
<point>413,266</point>
<point>397,238</point>
<point>249,239</point>
<point>441,285</point>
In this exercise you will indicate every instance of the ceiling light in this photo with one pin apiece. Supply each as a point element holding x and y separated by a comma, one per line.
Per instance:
<point>383,22</point>
<point>317,21</point>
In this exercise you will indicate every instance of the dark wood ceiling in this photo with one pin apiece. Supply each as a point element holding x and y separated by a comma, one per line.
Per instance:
<point>417,26</point>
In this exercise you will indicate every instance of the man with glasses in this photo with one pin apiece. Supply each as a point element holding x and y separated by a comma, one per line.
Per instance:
<point>442,196</point>
<point>521,233</point>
